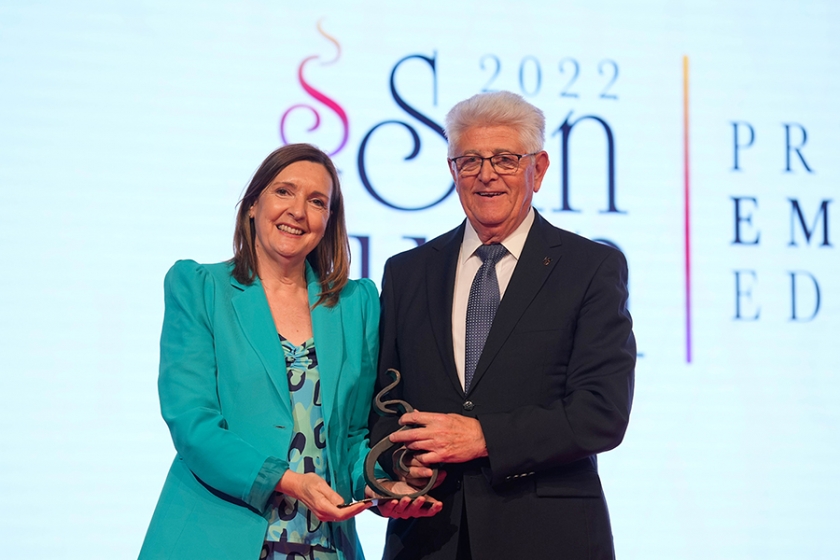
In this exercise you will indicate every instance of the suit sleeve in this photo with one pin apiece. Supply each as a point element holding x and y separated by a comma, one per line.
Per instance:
<point>358,443</point>
<point>189,399</point>
<point>592,416</point>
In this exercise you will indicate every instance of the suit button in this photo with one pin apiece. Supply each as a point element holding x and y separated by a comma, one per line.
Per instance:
<point>469,406</point>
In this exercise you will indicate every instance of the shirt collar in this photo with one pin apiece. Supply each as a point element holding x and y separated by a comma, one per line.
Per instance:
<point>514,243</point>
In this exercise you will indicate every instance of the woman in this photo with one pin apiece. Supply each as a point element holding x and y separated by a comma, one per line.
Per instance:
<point>270,435</point>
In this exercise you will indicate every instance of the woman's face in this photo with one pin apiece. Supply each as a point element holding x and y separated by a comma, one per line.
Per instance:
<point>291,214</point>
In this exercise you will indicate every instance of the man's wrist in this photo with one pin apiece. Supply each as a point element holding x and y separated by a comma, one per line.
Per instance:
<point>481,443</point>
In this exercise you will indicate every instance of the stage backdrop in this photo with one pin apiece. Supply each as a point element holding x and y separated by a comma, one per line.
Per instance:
<point>699,137</point>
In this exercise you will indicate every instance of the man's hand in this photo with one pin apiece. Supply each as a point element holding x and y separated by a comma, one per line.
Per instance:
<point>423,506</point>
<point>417,473</point>
<point>441,438</point>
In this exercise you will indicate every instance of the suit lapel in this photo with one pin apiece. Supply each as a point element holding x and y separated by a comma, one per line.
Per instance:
<point>440,283</point>
<point>257,324</point>
<point>540,254</point>
<point>329,344</point>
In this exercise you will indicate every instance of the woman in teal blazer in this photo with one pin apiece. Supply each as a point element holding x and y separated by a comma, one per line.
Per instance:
<point>238,341</point>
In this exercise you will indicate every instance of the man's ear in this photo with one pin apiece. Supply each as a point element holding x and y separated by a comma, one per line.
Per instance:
<point>541,164</point>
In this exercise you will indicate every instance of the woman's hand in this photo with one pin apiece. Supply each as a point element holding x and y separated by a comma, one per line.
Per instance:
<point>317,495</point>
<point>422,506</point>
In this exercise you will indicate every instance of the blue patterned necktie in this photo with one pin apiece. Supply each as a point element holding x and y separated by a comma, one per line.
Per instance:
<point>481,307</point>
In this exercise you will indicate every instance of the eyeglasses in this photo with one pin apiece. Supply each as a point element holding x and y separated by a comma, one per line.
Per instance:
<point>503,164</point>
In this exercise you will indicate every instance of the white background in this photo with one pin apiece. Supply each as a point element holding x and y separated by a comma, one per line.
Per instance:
<point>129,131</point>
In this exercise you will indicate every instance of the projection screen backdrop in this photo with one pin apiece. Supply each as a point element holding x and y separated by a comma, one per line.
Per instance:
<point>697,137</point>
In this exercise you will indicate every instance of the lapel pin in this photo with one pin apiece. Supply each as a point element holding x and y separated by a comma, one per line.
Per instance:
<point>547,261</point>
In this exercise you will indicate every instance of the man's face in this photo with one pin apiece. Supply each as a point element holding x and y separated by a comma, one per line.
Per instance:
<point>496,204</point>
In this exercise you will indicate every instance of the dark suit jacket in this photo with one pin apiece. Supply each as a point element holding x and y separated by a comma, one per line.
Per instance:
<point>552,389</point>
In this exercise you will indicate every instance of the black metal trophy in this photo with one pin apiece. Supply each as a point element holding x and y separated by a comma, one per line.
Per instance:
<point>394,407</point>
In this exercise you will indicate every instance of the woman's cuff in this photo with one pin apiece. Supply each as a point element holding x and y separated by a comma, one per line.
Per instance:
<point>266,481</point>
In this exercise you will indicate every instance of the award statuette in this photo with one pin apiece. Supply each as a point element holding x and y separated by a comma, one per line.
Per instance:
<point>394,407</point>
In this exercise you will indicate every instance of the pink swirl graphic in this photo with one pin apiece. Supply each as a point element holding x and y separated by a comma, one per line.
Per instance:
<point>321,98</point>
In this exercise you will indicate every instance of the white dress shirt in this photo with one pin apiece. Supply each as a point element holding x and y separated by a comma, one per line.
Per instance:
<point>468,264</point>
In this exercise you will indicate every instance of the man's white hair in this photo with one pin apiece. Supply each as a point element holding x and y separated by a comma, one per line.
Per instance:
<point>498,108</point>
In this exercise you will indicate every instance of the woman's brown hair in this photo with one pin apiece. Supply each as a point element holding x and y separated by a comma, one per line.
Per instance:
<point>330,259</point>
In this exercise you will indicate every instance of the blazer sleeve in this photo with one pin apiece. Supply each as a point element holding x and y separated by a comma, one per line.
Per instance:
<point>593,414</point>
<point>189,401</point>
<point>358,435</point>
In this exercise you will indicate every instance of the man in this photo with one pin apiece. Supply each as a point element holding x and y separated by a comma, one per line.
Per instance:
<point>516,348</point>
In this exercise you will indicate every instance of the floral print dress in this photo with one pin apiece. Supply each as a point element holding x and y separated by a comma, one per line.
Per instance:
<point>292,526</point>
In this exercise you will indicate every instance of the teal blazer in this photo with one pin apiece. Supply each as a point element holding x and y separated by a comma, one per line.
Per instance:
<point>224,395</point>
